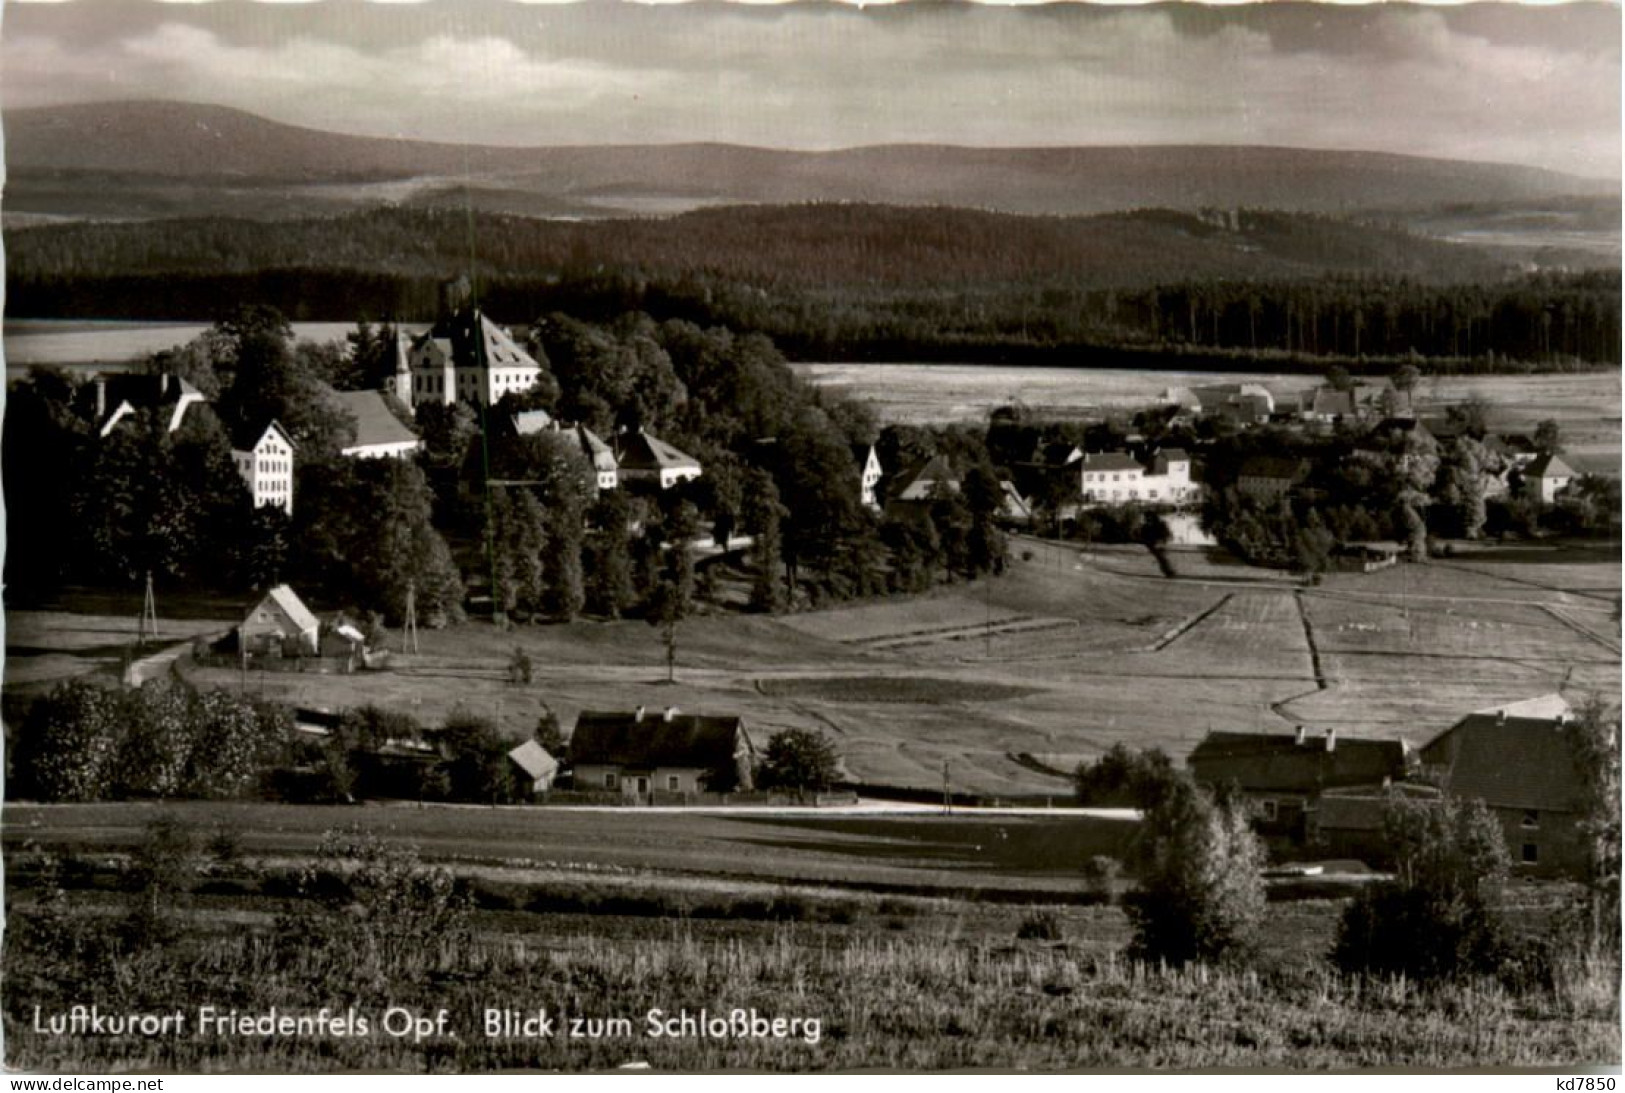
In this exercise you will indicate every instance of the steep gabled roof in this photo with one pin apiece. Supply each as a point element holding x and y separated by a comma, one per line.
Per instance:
<point>473,341</point>
<point>245,438</point>
<point>1548,465</point>
<point>374,423</point>
<point>292,606</point>
<point>1273,761</point>
<point>654,739</point>
<point>1508,761</point>
<point>642,452</point>
<point>917,482</point>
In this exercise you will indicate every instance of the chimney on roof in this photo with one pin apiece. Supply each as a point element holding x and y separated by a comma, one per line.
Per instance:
<point>1303,734</point>
<point>671,712</point>
<point>1331,739</point>
<point>638,715</point>
<point>1562,720</point>
<point>101,397</point>
<point>1500,717</point>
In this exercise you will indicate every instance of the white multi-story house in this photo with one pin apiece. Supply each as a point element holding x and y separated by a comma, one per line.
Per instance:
<point>464,358</point>
<point>265,460</point>
<point>1118,478</point>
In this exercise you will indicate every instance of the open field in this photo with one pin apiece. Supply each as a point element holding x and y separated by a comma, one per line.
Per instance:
<point>1087,648</point>
<point>964,853</point>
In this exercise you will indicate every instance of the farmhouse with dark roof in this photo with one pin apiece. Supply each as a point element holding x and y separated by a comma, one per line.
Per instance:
<point>645,752</point>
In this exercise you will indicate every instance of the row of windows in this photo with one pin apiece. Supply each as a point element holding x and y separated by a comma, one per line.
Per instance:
<point>274,466</point>
<point>673,782</point>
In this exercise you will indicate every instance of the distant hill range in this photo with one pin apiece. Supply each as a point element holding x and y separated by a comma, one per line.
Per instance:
<point>142,160</point>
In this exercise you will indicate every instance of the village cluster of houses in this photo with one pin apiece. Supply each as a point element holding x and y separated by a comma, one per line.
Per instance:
<point>1515,463</point>
<point>464,357</point>
<point>1328,792</point>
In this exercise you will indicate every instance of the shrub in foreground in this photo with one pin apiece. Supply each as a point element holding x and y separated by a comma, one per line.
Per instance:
<point>1201,896</point>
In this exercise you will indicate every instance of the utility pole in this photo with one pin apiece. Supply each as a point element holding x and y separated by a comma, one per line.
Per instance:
<point>409,635</point>
<point>947,794</point>
<point>148,624</point>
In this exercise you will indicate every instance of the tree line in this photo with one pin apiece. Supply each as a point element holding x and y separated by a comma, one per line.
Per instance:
<point>483,508</point>
<point>1148,289</point>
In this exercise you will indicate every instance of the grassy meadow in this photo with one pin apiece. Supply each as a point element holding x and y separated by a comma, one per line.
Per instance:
<point>1074,650</point>
<point>893,980</point>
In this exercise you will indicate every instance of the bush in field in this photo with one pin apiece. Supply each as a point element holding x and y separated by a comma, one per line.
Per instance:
<point>82,742</point>
<point>1200,896</point>
<point>68,746</point>
<point>1040,926</point>
<point>1435,919</point>
<point>799,759</point>
<point>1125,777</point>
<point>376,906</point>
<point>163,868</point>
<point>477,767</point>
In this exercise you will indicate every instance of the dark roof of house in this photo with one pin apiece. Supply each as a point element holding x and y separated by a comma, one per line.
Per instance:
<point>1111,461</point>
<point>1509,761</point>
<point>473,341</point>
<point>374,423</point>
<point>654,739</point>
<point>642,452</point>
<point>244,438</point>
<point>1271,761</point>
<point>915,484</point>
<point>1548,465</point>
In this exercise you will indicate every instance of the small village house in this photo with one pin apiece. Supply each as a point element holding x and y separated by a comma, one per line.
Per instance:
<point>1518,759</point>
<point>264,457</point>
<point>280,620</point>
<point>918,483</point>
<point>537,769</point>
<point>645,458</point>
<point>1546,476</point>
<point>1326,405</point>
<point>599,456</point>
<point>643,752</point>
<point>1270,477</point>
<point>1286,774</point>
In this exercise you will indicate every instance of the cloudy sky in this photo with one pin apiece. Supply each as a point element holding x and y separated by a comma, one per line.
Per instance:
<point>1538,85</point>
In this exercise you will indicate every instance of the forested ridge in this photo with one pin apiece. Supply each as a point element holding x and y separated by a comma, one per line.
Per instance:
<point>868,282</point>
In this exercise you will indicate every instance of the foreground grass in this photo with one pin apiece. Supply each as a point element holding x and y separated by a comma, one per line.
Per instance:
<point>893,995</point>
